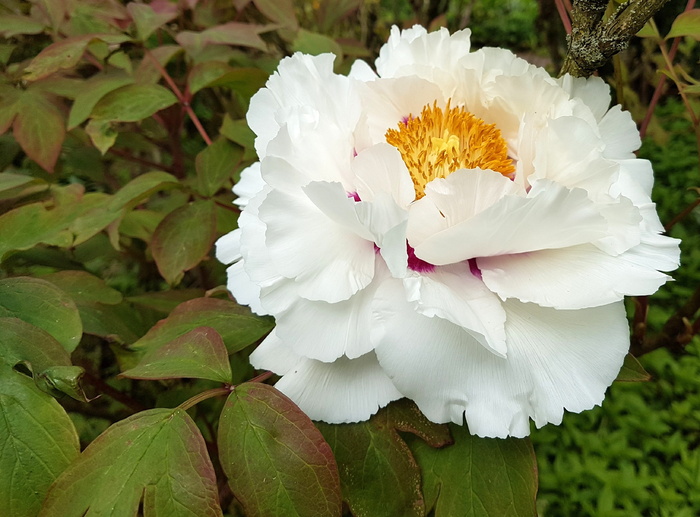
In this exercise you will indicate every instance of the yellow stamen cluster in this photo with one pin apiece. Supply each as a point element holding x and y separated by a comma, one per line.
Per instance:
<point>439,142</point>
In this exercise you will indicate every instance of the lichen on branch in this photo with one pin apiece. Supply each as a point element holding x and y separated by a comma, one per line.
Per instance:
<point>594,40</point>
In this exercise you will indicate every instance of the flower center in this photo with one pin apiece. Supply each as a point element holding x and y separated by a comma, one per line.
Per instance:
<point>439,142</point>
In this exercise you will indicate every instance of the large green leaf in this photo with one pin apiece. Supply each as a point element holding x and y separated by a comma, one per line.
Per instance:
<point>42,304</point>
<point>157,456</point>
<point>131,194</point>
<point>66,53</point>
<point>198,354</point>
<point>378,473</point>
<point>315,44</point>
<point>183,239</point>
<point>233,33</point>
<point>37,442</point>
<point>148,19</point>
<point>133,102</point>
<point>478,477</point>
<point>94,89</point>
<point>235,324</point>
<point>102,309</point>
<point>39,127</point>
<point>686,24</point>
<point>215,165</point>
<point>280,11</point>
<point>277,462</point>
<point>23,342</point>
<point>12,25</point>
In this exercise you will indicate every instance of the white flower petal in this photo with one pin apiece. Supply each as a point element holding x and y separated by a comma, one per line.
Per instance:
<point>619,132</point>
<point>347,390</point>
<point>380,169</point>
<point>593,91</point>
<point>455,294</point>
<point>250,184</point>
<point>327,261</point>
<point>570,278</point>
<point>243,289</point>
<point>272,354</point>
<point>228,247</point>
<point>556,360</point>
<point>549,217</point>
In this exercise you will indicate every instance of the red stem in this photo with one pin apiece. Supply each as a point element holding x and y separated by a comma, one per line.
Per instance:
<point>564,14</point>
<point>656,97</point>
<point>185,102</point>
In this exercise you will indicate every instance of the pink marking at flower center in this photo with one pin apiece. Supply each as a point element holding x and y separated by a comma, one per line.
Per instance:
<point>355,196</point>
<point>474,268</point>
<point>416,264</point>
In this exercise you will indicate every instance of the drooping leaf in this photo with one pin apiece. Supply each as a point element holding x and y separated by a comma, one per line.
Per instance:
<point>280,11</point>
<point>235,324</point>
<point>198,354</point>
<point>42,304</point>
<point>131,194</point>
<point>203,74</point>
<point>65,54</point>
<point>315,44</point>
<point>39,127</point>
<point>102,134</point>
<point>233,33</point>
<point>686,24</point>
<point>37,442</point>
<point>238,131</point>
<point>632,371</point>
<point>244,80</point>
<point>9,181</point>
<point>166,301</point>
<point>276,461</point>
<point>133,102</point>
<point>183,239</point>
<point>84,287</point>
<point>378,474</point>
<point>158,456</point>
<point>215,165</point>
<point>59,380</point>
<point>22,342</point>
<point>95,88</point>
<point>12,25</point>
<point>148,20</point>
<point>478,476</point>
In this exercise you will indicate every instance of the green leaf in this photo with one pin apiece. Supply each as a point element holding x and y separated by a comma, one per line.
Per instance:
<point>233,33</point>
<point>22,342</point>
<point>280,11</point>
<point>65,54</point>
<point>166,301</point>
<point>133,103</point>
<point>9,181</point>
<point>130,195</point>
<point>37,443</point>
<point>246,81</point>
<point>215,165</point>
<point>199,354</point>
<point>315,44</point>
<point>9,104</point>
<point>42,304</point>
<point>478,476</point>
<point>237,325</point>
<point>39,127</point>
<point>158,456</point>
<point>238,131</point>
<point>12,25</point>
<point>183,239</point>
<point>378,474</point>
<point>148,20</point>
<point>276,461</point>
<point>632,371</point>
<point>140,223</point>
<point>95,88</point>
<point>102,134</point>
<point>693,89</point>
<point>203,74</point>
<point>147,72</point>
<point>686,24</point>
<point>84,288</point>
<point>59,380</point>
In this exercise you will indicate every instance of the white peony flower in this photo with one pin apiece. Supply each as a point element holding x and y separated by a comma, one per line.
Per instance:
<point>458,228</point>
